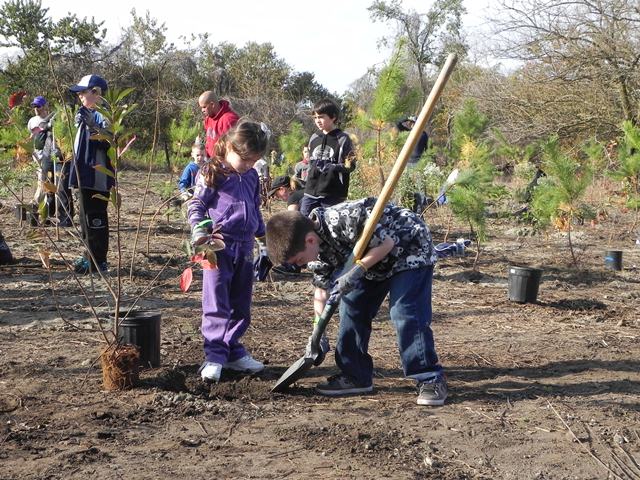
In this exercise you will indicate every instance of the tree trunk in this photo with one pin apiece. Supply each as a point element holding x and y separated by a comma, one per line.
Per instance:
<point>626,103</point>
<point>167,158</point>
<point>379,157</point>
<point>573,255</point>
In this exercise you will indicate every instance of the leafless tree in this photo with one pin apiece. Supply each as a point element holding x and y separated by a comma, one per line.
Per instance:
<point>589,43</point>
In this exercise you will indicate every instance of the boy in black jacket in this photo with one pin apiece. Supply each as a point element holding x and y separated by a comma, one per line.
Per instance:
<point>331,160</point>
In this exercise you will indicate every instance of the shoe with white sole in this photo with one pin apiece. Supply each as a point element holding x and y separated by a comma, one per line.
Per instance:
<point>245,364</point>
<point>210,372</point>
<point>433,392</point>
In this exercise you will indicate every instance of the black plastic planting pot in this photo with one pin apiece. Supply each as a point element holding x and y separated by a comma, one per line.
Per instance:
<point>142,329</point>
<point>613,260</point>
<point>523,284</point>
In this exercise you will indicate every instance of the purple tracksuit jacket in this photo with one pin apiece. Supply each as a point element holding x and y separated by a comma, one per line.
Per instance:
<point>234,204</point>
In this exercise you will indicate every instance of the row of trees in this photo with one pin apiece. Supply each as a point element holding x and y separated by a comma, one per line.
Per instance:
<point>578,74</point>
<point>51,55</point>
<point>578,77</point>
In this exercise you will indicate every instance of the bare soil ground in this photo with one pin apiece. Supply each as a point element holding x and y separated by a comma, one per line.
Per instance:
<point>549,390</point>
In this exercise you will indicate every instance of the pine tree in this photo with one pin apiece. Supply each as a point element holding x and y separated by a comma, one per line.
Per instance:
<point>628,171</point>
<point>474,186</point>
<point>557,198</point>
<point>392,99</point>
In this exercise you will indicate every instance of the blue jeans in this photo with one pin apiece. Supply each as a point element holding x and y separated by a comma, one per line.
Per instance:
<point>410,310</point>
<point>308,203</point>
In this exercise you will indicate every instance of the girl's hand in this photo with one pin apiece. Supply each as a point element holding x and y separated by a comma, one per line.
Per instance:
<point>199,235</point>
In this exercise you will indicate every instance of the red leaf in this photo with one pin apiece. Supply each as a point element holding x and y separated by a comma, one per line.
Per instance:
<point>185,279</point>
<point>198,257</point>
<point>16,99</point>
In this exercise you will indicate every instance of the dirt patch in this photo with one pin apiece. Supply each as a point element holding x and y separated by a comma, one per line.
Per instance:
<point>537,391</point>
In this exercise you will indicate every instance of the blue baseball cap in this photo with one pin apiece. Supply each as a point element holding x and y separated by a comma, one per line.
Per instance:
<point>39,102</point>
<point>90,81</point>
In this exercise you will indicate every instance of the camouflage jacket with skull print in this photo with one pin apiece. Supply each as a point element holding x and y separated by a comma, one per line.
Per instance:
<point>340,226</point>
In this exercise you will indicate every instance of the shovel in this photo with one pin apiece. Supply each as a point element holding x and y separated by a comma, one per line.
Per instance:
<point>313,355</point>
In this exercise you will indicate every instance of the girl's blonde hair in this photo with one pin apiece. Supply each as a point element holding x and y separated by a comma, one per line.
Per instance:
<point>247,139</point>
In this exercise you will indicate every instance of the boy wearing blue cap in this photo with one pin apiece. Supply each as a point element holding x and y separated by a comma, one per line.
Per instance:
<point>90,182</point>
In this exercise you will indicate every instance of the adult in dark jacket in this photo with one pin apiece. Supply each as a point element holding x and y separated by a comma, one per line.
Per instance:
<point>52,167</point>
<point>406,125</point>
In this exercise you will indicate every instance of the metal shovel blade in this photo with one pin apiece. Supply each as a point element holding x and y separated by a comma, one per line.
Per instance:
<point>293,373</point>
<point>313,354</point>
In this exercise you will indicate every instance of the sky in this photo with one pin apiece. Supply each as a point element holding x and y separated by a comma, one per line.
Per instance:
<point>334,39</point>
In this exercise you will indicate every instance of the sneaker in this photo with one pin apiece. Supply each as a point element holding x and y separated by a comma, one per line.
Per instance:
<point>81,266</point>
<point>433,392</point>
<point>287,269</point>
<point>103,267</point>
<point>245,364</point>
<point>65,223</point>
<point>210,372</point>
<point>342,384</point>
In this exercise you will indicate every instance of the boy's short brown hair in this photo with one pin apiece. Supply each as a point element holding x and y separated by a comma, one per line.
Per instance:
<point>328,107</point>
<point>286,233</point>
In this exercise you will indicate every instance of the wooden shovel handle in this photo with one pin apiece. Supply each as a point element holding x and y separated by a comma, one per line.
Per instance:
<point>402,159</point>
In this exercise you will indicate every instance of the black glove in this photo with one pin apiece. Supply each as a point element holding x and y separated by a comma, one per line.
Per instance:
<point>87,117</point>
<point>349,281</point>
<point>261,267</point>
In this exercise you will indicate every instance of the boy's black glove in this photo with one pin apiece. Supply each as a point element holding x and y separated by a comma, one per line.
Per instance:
<point>347,282</point>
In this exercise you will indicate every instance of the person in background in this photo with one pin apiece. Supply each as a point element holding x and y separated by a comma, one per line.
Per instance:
<point>331,160</point>
<point>420,200</point>
<point>188,178</point>
<point>52,167</point>
<point>226,207</point>
<point>301,169</point>
<point>6,258</point>
<point>286,189</point>
<point>91,182</point>
<point>262,167</point>
<point>218,119</point>
<point>406,125</point>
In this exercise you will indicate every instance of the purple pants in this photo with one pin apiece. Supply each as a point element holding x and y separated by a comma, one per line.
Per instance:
<point>226,305</point>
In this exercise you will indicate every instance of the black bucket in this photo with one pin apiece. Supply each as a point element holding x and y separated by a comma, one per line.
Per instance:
<point>27,211</point>
<point>142,328</point>
<point>523,284</point>
<point>33,218</point>
<point>613,260</point>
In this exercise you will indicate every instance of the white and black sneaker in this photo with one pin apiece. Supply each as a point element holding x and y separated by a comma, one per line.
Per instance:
<point>341,384</point>
<point>433,392</point>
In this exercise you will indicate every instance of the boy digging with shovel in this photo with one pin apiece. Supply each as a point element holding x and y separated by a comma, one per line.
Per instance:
<point>399,262</point>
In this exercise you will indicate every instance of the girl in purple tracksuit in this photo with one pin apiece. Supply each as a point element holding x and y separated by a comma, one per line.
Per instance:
<point>228,193</point>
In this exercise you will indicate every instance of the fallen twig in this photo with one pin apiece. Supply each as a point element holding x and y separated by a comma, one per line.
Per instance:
<point>588,450</point>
